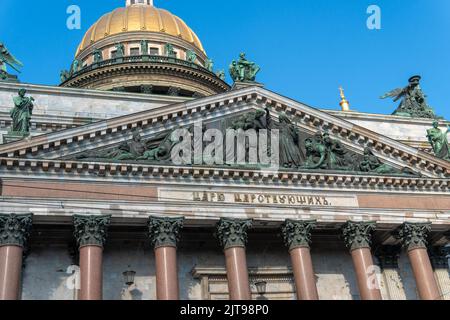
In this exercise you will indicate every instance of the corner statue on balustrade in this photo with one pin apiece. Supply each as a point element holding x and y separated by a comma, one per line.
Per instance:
<point>439,141</point>
<point>243,70</point>
<point>21,114</point>
<point>413,101</point>
<point>7,59</point>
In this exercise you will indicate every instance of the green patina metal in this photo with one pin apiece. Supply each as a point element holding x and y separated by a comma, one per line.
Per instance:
<point>15,229</point>
<point>297,234</point>
<point>165,232</point>
<point>170,51</point>
<point>414,235</point>
<point>120,50</point>
<point>144,47</point>
<point>233,232</point>
<point>413,100</point>
<point>209,64</point>
<point>439,141</point>
<point>98,55</point>
<point>191,56</point>
<point>7,59</point>
<point>358,235</point>
<point>21,114</point>
<point>91,230</point>
<point>243,70</point>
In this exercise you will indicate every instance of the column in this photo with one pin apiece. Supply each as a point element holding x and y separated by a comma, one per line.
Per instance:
<point>297,237</point>
<point>164,236</point>
<point>232,235</point>
<point>90,233</point>
<point>14,233</point>
<point>358,238</point>
<point>414,238</point>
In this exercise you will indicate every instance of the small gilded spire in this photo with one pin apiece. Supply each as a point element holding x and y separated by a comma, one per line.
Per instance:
<point>345,105</point>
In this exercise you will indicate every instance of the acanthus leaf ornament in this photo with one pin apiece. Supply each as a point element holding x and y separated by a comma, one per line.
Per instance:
<point>91,230</point>
<point>15,229</point>
<point>233,232</point>
<point>358,235</point>
<point>164,232</point>
<point>297,234</point>
<point>414,235</point>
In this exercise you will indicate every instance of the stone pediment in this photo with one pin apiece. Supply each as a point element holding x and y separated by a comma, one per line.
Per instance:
<point>354,149</point>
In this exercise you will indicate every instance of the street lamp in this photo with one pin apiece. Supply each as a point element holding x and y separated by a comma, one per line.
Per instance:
<point>261,287</point>
<point>128,277</point>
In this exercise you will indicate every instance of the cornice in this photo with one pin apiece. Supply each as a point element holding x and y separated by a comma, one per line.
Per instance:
<point>84,170</point>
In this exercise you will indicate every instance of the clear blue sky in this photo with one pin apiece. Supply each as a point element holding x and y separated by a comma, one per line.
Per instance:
<point>306,48</point>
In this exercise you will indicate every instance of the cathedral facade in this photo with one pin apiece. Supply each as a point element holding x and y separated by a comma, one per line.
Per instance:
<point>145,175</point>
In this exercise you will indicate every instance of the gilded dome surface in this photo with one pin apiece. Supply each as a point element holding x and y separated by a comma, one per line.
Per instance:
<point>139,18</point>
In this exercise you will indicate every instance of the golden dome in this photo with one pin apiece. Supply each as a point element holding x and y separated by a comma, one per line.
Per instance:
<point>138,18</point>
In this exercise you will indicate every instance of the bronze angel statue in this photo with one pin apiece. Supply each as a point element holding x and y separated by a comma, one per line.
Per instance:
<point>413,100</point>
<point>7,59</point>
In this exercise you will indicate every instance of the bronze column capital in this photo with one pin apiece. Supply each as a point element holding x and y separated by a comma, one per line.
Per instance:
<point>14,233</point>
<point>297,234</point>
<point>358,235</point>
<point>414,235</point>
<point>164,232</point>
<point>233,232</point>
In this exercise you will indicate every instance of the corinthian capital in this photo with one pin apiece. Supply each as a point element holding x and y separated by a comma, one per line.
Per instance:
<point>91,230</point>
<point>358,235</point>
<point>165,232</point>
<point>297,234</point>
<point>233,232</point>
<point>15,229</point>
<point>414,235</point>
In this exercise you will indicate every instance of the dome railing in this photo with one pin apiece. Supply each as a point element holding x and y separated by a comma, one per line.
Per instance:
<point>140,59</point>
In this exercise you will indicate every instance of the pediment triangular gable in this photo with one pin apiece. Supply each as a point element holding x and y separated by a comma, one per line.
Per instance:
<point>64,144</point>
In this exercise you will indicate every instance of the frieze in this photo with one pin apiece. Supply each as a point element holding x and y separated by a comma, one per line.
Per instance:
<point>242,198</point>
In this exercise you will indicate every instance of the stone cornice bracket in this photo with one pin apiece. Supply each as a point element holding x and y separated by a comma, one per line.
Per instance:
<point>388,256</point>
<point>15,229</point>
<point>233,232</point>
<point>297,234</point>
<point>413,235</point>
<point>91,230</point>
<point>164,232</point>
<point>358,235</point>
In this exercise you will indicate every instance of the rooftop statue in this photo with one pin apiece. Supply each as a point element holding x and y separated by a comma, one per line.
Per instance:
<point>439,141</point>
<point>209,64</point>
<point>21,113</point>
<point>191,56</point>
<point>221,75</point>
<point>144,47</point>
<point>170,51</point>
<point>98,55</point>
<point>413,100</point>
<point>64,75</point>
<point>120,50</point>
<point>75,66</point>
<point>6,58</point>
<point>243,70</point>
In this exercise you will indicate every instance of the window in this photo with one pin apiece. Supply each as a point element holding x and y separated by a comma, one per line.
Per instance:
<point>113,54</point>
<point>134,51</point>
<point>154,51</point>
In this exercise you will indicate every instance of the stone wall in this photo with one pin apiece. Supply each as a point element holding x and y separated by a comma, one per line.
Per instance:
<point>46,277</point>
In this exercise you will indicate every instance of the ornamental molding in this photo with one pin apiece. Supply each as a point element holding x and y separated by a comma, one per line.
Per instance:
<point>164,232</point>
<point>232,233</point>
<point>159,120</point>
<point>413,235</point>
<point>358,235</point>
<point>297,234</point>
<point>91,230</point>
<point>47,169</point>
<point>15,229</point>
